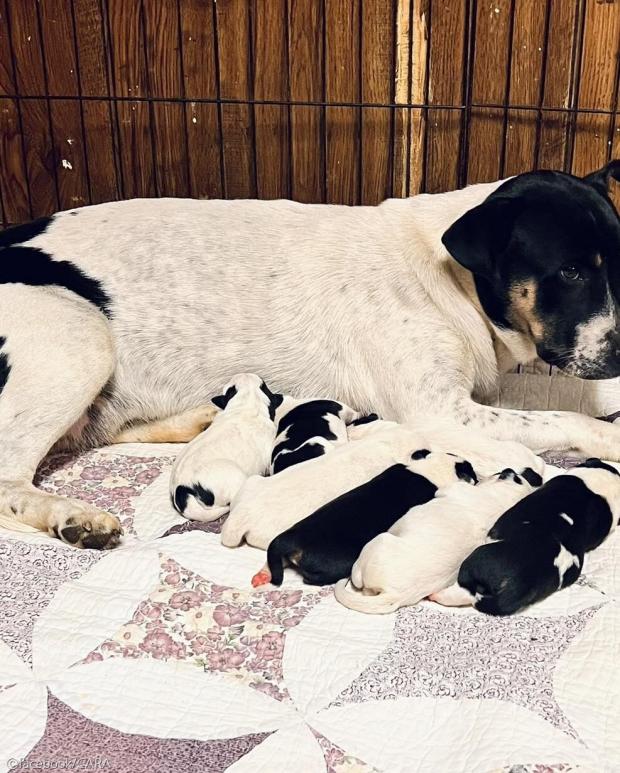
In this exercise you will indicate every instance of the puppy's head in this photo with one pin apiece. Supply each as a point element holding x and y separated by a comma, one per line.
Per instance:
<point>247,385</point>
<point>544,250</point>
<point>442,468</point>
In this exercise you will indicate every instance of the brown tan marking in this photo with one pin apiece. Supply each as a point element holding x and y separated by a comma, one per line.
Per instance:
<point>175,429</point>
<point>522,313</point>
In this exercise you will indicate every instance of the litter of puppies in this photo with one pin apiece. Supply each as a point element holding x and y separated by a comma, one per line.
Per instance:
<point>391,513</point>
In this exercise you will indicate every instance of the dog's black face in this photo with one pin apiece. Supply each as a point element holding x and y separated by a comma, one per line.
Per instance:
<point>544,250</point>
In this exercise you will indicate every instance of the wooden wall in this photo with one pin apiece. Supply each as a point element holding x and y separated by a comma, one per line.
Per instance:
<point>319,100</point>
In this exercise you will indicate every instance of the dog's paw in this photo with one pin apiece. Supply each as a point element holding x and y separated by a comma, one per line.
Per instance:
<point>90,528</point>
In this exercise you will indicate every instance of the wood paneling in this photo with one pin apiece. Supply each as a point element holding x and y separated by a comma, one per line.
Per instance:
<point>344,101</point>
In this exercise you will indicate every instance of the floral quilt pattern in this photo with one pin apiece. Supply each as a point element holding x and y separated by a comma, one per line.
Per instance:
<point>160,656</point>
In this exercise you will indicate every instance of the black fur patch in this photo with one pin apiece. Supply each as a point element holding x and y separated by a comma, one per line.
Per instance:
<point>600,464</point>
<point>180,497</point>
<point>30,266</point>
<point>331,539</point>
<point>305,422</point>
<point>364,419</point>
<point>205,495</point>
<point>221,401</point>
<point>5,368</point>
<point>19,234</point>
<point>464,471</point>
<point>304,453</point>
<point>532,477</point>
<point>275,400</point>
<point>508,474</point>
<point>421,454</point>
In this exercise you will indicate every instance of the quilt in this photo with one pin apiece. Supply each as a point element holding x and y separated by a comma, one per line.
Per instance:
<point>160,656</point>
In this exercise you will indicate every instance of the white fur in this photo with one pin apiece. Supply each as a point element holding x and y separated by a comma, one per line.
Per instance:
<point>362,304</point>
<point>563,561</point>
<point>237,444</point>
<point>337,426</point>
<point>422,553</point>
<point>265,507</point>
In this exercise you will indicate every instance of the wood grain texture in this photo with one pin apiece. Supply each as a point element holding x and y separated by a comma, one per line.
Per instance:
<point>377,86</point>
<point>597,86</point>
<point>129,78</point>
<point>305,47</point>
<point>167,97</point>
<point>342,84</point>
<point>233,38</point>
<point>203,120</point>
<point>492,52</point>
<point>446,87</point>
<point>13,181</point>
<point>526,75</point>
<point>271,122</point>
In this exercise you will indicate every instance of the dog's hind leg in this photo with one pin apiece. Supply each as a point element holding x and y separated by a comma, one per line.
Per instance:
<point>180,428</point>
<point>56,356</point>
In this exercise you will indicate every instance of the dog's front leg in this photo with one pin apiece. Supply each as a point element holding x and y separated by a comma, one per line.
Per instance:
<point>541,430</point>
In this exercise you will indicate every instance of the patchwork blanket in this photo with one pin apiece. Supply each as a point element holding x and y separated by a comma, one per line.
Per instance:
<point>160,656</point>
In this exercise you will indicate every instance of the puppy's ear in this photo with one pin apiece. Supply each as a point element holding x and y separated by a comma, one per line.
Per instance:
<point>221,401</point>
<point>532,477</point>
<point>600,179</point>
<point>276,400</point>
<point>477,238</point>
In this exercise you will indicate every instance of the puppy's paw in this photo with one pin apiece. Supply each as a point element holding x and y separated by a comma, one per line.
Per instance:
<point>90,528</point>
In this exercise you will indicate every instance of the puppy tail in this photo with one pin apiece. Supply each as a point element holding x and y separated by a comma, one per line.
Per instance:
<point>275,561</point>
<point>353,598</point>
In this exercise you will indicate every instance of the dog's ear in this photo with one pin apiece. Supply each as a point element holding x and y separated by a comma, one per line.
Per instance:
<point>480,235</point>
<point>221,401</point>
<point>600,179</point>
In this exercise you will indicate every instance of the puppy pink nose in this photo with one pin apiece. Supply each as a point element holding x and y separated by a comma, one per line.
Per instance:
<point>261,578</point>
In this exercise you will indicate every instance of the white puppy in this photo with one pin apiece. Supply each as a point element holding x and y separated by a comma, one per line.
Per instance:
<point>423,551</point>
<point>213,467</point>
<point>266,507</point>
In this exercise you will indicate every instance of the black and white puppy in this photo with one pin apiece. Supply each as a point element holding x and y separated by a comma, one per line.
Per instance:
<point>539,544</point>
<point>212,468</point>
<point>325,545</point>
<point>309,428</point>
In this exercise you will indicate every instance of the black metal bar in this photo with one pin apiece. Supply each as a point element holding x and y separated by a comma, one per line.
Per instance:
<point>426,93</point>
<point>320,103</point>
<point>287,103</point>
<point>409,93</point>
<point>151,101</point>
<point>578,38</point>
<point>185,122</point>
<point>218,101</point>
<point>543,83</point>
<point>79,85</point>
<point>323,122</point>
<point>252,76</point>
<point>507,84</point>
<point>470,45</point>
<point>360,81</point>
<point>106,30</point>
<point>49,107</point>
<point>19,110</point>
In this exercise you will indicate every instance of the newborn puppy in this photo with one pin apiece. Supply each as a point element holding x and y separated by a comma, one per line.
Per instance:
<point>266,507</point>
<point>309,428</point>
<point>541,542</point>
<point>324,546</point>
<point>422,552</point>
<point>212,468</point>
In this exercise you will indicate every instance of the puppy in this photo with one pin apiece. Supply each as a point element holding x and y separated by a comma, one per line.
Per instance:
<point>309,428</point>
<point>266,507</point>
<point>540,542</point>
<point>324,546</point>
<point>422,552</point>
<point>212,468</point>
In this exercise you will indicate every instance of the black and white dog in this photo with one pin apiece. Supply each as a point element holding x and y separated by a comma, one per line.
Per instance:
<point>325,545</point>
<point>539,544</point>
<point>119,321</point>
<point>307,429</point>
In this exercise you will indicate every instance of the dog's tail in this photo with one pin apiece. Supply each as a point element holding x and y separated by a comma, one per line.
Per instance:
<point>276,555</point>
<point>354,598</point>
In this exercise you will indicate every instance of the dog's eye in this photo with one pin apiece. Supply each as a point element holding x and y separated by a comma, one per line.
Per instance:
<point>571,274</point>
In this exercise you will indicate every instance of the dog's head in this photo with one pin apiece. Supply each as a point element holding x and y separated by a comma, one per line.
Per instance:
<point>544,250</point>
<point>246,385</point>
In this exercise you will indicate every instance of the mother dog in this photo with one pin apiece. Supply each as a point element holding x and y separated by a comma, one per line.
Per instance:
<point>120,321</point>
